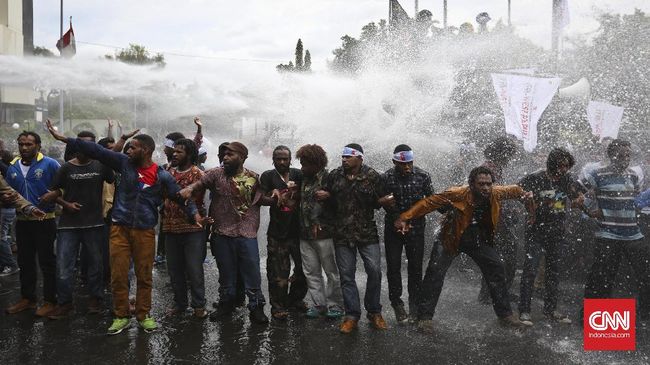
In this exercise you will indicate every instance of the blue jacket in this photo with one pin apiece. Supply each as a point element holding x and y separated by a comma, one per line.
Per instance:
<point>133,205</point>
<point>35,184</point>
<point>643,200</point>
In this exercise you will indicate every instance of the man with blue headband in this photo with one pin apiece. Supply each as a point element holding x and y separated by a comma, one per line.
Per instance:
<point>356,191</point>
<point>407,184</point>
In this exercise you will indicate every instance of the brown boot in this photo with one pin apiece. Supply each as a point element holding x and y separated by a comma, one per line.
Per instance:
<point>377,321</point>
<point>45,309</point>
<point>60,311</point>
<point>200,313</point>
<point>348,326</point>
<point>94,306</point>
<point>22,305</point>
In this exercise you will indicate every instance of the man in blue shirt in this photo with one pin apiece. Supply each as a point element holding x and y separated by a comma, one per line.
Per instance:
<point>30,175</point>
<point>615,188</point>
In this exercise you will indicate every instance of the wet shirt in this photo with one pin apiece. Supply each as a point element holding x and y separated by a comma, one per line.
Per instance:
<point>552,198</point>
<point>312,211</point>
<point>235,202</point>
<point>615,194</point>
<point>284,220</point>
<point>82,184</point>
<point>355,201</point>
<point>175,217</point>
<point>406,190</point>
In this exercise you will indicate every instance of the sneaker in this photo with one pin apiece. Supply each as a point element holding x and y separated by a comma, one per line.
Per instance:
<point>334,314</point>
<point>22,305</point>
<point>313,312</point>
<point>94,306</point>
<point>60,311</point>
<point>8,270</point>
<point>526,319</point>
<point>200,313</point>
<point>377,321</point>
<point>280,314</point>
<point>223,310</point>
<point>148,324</point>
<point>400,313</point>
<point>425,325</point>
<point>558,317</point>
<point>45,309</point>
<point>348,326</point>
<point>512,321</point>
<point>119,325</point>
<point>257,315</point>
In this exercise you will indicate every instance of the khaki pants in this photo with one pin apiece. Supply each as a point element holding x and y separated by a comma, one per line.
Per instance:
<point>125,244</point>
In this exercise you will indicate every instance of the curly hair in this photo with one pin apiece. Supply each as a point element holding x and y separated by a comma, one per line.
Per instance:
<point>189,146</point>
<point>616,145</point>
<point>480,170</point>
<point>313,154</point>
<point>558,155</point>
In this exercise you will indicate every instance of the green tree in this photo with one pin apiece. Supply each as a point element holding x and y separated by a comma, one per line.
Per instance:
<point>43,52</point>
<point>138,55</point>
<point>307,65</point>
<point>299,59</point>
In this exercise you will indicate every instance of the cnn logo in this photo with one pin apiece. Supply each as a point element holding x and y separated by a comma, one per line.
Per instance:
<point>609,324</point>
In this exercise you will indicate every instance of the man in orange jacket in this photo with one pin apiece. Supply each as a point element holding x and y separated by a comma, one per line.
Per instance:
<point>472,214</point>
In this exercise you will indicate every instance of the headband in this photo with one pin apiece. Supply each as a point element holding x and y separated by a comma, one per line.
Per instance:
<point>403,156</point>
<point>349,151</point>
<point>169,143</point>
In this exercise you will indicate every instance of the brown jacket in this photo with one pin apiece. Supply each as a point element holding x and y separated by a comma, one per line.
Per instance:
<point>19,203</point>
<point>461,200</point>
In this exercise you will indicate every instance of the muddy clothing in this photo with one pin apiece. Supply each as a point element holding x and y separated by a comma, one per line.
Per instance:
<point>284,222</point>
<point>278,267</point>
<point>356,201</point>
<point>314,212</point>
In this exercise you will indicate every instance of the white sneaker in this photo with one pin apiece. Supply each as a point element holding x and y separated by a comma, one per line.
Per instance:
<point>526,319</point>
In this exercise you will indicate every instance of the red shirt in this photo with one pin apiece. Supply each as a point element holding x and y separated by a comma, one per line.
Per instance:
<point>148,176</point>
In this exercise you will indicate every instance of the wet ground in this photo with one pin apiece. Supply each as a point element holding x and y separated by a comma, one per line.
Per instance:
<point>466,333</point>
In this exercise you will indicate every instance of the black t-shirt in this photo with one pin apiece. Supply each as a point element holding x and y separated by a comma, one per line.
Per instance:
<point>480,210</point>
<point>284,221</point>
<point>83,185</point>
<point>551,197</point>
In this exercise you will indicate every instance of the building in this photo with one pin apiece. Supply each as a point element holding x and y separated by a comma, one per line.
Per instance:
<point>16,39</point>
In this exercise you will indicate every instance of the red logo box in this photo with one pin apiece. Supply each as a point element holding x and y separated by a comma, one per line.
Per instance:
<point>609,324</point>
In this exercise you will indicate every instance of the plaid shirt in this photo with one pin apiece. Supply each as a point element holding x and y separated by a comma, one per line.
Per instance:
<point>407,190</point>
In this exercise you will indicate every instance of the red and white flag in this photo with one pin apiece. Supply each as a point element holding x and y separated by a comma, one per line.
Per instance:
<point>66,45</point>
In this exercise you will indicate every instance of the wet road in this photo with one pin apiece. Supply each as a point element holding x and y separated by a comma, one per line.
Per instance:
<point>466,333</point>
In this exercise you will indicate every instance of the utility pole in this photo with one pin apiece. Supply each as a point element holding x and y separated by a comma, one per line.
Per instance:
<point>509,13</point>
<point>555,30</point>
<point>444,14</point>
<point>61,90</point>
<point>416,9</point>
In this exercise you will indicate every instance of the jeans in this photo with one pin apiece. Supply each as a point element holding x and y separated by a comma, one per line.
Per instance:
<point>67,248</point>
<point>487,259</point>
<point>7,218</point>
<point>278,268</point>
<point>185,255</point>
<point>238,254</point>
<point>413,244</point>
<point>540,241</point>
<point>240,291</point>
<point>318,256</point>
<point>607,258</point>
<point>346,260</point>
<point>36,238</point>
<point>131,245</point>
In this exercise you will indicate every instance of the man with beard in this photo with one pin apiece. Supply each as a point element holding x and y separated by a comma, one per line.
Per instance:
<point>356,191</point>
<point>143,186</point>
<point>407,184</point>
<point>471,218</point>
<point>282,184</point>
<point>31,175</point>
<point>235,208</point>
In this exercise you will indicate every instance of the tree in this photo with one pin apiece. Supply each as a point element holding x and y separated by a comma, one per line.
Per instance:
<point>299,59</point>
<point>43,52</point>
<point>307,65</point>
<point>138,55</point>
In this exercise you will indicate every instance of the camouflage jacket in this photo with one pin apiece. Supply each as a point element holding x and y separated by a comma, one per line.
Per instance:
<point>312,211</point>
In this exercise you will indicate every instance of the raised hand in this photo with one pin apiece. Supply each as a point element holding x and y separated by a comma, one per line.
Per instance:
<point>58,136</point>
<point>197,121</point>
<point>130,134</point>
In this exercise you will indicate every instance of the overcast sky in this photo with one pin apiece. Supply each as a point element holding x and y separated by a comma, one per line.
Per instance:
<point>268,29</point>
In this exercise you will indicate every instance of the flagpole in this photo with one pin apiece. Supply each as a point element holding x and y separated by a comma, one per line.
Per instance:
<point>61,89</point>
<point>509,13</point>
<point>444,14</point>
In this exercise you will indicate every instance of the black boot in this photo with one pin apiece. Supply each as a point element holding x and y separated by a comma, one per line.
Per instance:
<point>257,315</point>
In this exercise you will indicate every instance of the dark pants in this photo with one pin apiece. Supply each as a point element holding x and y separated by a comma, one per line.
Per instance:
<point>238,254</point>
<point>106,253</point>
<point>413,244</point>
<point>36,238</point>
<point>185,255</point>
<point>67,248</point>
<point>487,259</point>
<point>607,259</point>
<point>278,268</point>
<point>346,260</point>
<point>505,243</point>
<point>542,241</point>
<point>240,291</point>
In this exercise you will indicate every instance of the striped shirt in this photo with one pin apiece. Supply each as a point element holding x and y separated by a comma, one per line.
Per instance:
<point>615,194</point>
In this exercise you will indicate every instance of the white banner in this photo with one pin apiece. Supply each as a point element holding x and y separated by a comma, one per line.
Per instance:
<point>523,100</point>
<point>605,119</point>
